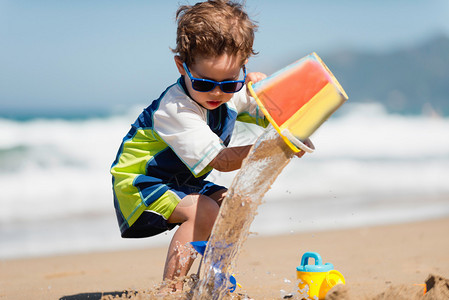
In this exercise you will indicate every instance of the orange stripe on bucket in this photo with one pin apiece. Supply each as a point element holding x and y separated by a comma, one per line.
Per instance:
<point>290,91</point>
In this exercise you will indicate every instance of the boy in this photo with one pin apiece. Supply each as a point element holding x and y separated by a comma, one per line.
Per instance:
<point>160,170</point>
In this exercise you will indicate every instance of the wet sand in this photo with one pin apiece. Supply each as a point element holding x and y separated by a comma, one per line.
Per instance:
<point>372,259</point>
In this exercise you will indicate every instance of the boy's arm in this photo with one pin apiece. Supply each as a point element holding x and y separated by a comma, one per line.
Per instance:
<point>230,159</point>
<point>255,77</point>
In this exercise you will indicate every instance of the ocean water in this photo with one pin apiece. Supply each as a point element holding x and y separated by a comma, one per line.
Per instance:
<point>369,167</point>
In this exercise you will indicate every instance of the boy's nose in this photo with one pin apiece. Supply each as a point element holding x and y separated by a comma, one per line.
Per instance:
<point>217,90</point>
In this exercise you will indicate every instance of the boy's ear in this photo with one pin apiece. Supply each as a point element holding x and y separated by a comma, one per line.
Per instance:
<point>179,65</point>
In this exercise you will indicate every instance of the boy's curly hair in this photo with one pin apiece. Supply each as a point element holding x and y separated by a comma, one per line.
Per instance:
<point>214,28</point>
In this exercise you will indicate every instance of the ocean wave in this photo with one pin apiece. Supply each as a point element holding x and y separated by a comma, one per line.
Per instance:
<point>55,169</point>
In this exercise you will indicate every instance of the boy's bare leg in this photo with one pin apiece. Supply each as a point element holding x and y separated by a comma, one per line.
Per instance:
<point>197,213</point>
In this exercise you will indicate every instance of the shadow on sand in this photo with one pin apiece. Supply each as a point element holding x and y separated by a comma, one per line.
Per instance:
<point>94,296</point>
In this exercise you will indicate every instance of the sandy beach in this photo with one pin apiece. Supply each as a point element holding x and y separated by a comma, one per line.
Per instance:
<point>372,259</point>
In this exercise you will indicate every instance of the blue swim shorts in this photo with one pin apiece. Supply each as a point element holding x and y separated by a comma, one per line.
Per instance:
<point>153,219</point>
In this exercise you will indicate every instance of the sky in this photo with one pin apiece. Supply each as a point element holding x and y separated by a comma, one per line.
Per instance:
<point>62,57</point>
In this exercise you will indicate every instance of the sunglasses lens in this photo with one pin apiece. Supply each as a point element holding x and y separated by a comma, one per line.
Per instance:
<point>231,87</point>
<point>202,86</point>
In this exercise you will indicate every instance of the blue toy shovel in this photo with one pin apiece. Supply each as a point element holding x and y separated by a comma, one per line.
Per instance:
<point>200,247</point>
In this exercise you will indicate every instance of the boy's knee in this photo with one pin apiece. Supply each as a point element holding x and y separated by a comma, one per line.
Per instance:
<point>208,207</point>
<point>207,212</point>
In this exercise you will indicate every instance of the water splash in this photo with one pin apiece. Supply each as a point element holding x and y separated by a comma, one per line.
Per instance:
<point>259,170</point>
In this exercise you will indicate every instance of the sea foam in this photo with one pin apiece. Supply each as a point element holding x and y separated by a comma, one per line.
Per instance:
<point>56,170</point>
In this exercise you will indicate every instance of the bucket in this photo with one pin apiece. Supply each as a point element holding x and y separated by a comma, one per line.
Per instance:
<point>298,99</point>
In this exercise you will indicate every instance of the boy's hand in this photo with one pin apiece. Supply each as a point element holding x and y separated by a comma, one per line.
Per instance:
<point>255,77</point>
<point>309,144</point>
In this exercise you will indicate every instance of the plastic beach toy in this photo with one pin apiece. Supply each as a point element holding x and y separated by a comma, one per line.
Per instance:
<point>318,277</point>
<point>200,247</point>
<point>298,99</point>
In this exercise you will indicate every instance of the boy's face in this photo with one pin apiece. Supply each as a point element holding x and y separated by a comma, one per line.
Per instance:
<point>221,68</point>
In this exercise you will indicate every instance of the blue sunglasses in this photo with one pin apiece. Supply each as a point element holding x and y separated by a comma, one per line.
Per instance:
<point>206,85</point>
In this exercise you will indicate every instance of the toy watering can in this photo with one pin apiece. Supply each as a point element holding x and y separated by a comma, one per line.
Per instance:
<point>318,277</point>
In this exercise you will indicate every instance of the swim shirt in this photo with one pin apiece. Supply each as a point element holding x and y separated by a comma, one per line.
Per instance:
<point>172,142</point>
